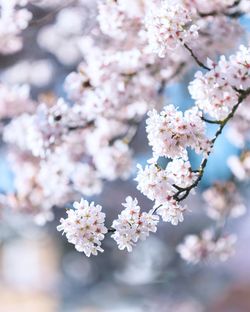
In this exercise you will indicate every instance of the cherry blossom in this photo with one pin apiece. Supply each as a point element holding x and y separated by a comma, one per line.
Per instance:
<point>171,211</point>
<point>14,100</point>
<point>13,20</point>
<point>237,68</point>
<point>213,93</point>
<point>61,148</point>
<point>84,227</point>
<point>153,182</point>
<point>238,131</point>
<point>224,201</point>
<point>169,27</point>
<point>133,225</point>
<point>171,132</point>
<point>197,248</point>
<point>240,166</point>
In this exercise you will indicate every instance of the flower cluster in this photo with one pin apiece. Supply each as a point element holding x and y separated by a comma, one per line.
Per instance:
<point>160,186</point>
<point>240,166</point>
<point>15,100</point>
<point>197,248</point>
<point>133,225</point>
<point>62,149</point>
<point>239,126</point>
<point>237,68</point>
<point>171,211</point>
<point>215,92</point>
<point>84,227</point>
<point>62,38</point>
<point>13,19</point>
<point>42,131</point>
<point>224,201</point>
<point>168,27</point>
<point>171,132</point>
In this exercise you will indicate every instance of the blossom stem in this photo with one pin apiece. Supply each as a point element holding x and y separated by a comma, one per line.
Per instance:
<point>195,57</point>
<point>217,122</point>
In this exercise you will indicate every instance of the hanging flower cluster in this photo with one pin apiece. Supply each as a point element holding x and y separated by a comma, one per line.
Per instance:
<point>84,227</point>
<point>133,225</point>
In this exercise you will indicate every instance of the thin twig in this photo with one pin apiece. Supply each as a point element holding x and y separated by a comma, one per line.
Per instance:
<point>195,57</point>
<point>217,122</point>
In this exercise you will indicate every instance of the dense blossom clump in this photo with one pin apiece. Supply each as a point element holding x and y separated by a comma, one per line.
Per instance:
<point>171,132</point>
<point>215,92</point>
<point>171,211</point>
<point>168,27</point>
<point>133,225</point>
<point>84,227</point>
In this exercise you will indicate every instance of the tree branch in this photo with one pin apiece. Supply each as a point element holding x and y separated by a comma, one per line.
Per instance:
<point>195,57</point>
<point>243,95</point>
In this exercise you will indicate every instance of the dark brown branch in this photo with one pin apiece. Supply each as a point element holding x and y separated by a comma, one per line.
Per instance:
<point>195,57</point>
<point>85,126</point>
<point>217,122</point>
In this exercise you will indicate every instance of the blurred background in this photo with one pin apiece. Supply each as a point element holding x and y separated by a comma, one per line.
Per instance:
<point>40,271</point>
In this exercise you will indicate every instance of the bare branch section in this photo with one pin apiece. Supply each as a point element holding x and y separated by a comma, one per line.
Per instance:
<point>196,58</point>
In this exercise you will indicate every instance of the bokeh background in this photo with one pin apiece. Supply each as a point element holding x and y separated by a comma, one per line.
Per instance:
<point>40,271</point>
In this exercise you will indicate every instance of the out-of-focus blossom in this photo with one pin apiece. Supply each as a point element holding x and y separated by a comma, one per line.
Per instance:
<point>62,38</point>
<point>14,100</point>
<point>13,20</point>
<point>114,161</point>
<point>240,166</point>
<point>86,180</point>
<point>38,73</point>
<point>224,201</point>
<point>197,248</point>
<point>239,130</point>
